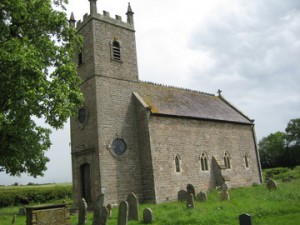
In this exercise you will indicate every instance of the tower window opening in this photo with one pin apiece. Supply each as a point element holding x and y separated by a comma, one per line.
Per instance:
<point>227,160</point>
<point>203,161</point>
<point>116,51</point>
<point>177,164</point>
<point>246,161</point>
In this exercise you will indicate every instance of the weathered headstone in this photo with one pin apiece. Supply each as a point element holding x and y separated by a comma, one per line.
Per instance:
<point>181,195</point>
<point>82,213</point>
<point>133,213</point>
<point>202,196</point>
<point>190,190</point>
<point>271,185</point>
<point>22,211</point>
<point>123,213</point>
<point>104,216</point>
<point>245,219</point>
<point>147,216</point>
<point>190,201</point>
<point>225,186</point>
<point>224,196</point>
<point>97,209</point>
<point>109,209</point>
<point>14,219</point>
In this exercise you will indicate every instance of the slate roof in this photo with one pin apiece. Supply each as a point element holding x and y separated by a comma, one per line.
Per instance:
<point>171,101</point>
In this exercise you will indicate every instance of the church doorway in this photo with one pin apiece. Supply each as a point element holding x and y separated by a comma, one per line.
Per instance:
<point>86,182</point>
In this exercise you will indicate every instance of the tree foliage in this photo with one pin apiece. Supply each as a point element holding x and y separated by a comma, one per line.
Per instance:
<point>281,149</point>
<point>38,79</point>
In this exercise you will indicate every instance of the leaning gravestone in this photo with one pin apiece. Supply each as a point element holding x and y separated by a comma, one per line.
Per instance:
<point>245,219</point>
<point>123,213</point>
<point>147,216</point>
<point>271,185</point>
<point>181,195</point>
<point>133,213</point>
<point>190,201</point>
<point>97,209</point>
<point>82,212</point>
<point>202,196</point>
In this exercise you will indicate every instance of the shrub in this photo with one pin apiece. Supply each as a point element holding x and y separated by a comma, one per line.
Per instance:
<point>34,194</point>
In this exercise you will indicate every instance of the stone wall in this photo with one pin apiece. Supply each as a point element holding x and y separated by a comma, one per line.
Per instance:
<point>188,138</point>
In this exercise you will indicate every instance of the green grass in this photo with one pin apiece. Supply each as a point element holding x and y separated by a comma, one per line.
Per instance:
<point>266,207</point>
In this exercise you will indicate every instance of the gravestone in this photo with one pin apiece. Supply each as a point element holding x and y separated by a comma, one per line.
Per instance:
<point>224,196</point>
<point>82,213</point>
<point>190,201</point>
<point>190,190</point>
<point>202,196</point>
<point>22,212</point>
<point>133,213</point>
<point>104,216</point>
<point>245,219</point>
<point>225,186</point>
<point>109,209</point>
<point>54,214</point>
<point>181,195</point>
<point>14,219</point>
<point>97,209</point>
<point>147,216</point>
<point>123,213</point>
<point>271,185</point>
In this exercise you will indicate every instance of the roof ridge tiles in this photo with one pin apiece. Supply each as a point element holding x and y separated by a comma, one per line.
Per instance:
<point>179,88</point>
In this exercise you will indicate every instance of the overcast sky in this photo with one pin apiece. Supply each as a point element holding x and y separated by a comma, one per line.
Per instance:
<point>248,49</point>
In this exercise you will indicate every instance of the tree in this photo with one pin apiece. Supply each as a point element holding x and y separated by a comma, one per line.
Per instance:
<point>38,79</point>
<point>293,141</point>
<point>272,149</point>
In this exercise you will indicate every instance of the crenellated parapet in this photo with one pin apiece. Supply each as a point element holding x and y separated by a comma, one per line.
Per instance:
<point>105,17</point>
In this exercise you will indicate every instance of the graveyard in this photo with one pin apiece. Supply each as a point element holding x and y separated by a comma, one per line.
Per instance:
<point>266,206</point>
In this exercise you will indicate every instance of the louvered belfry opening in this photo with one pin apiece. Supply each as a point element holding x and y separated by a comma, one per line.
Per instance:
<point>116,51</point>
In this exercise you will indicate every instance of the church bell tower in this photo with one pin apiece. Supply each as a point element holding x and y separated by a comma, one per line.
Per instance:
<point>104,150</point>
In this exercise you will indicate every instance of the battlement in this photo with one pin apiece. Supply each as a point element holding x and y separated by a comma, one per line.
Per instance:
<point>105,17</point>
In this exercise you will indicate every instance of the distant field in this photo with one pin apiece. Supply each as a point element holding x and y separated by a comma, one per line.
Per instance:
<point>266,207</point>
<point>10,187</point>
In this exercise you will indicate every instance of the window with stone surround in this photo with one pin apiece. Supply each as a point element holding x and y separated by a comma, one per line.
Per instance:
<point>227,160</point>
<point>177,164</point>
<point>203,162</point>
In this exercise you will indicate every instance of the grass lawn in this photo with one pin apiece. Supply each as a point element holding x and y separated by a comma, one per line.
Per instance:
<point>266,207</point>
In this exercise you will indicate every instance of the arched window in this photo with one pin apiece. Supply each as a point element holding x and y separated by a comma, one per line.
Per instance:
<point>177,164</point>
<point>116,51</point>
<point>227,160</point>
<point>203,161</point>
<point>246,161</point>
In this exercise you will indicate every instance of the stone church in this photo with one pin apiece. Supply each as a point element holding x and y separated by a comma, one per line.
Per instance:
<point>153,140</point>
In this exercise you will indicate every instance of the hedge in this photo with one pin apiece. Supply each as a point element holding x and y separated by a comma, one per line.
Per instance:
<point>12,196</point>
